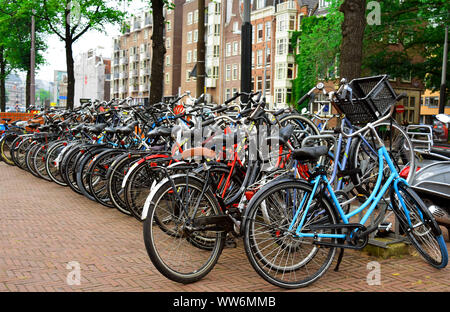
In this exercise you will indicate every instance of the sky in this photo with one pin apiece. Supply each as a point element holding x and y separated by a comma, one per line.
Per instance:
<point>55,55</point>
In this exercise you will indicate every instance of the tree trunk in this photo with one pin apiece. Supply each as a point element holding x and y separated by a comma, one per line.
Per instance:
<point>2,81</point>
<point>70,75</point>
<point>201,49</point>
<point>27,91</point>
<point>352,38</point>
<point>158,52</point>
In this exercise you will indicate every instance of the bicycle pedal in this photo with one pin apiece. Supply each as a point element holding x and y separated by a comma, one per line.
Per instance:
<point>230,243</point>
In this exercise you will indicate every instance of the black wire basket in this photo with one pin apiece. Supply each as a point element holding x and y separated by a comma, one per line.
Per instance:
<point>372,98</point>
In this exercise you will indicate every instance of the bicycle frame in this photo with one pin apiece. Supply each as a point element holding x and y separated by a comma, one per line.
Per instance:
<point>373,199</point>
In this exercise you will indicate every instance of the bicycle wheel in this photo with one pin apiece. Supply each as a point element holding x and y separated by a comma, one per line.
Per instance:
<point>5,148</point>
<point>419,225</point>
<point>168,237</point>
<point>51,165</point>
<point>303,127</point>
<point>365,157</point>
<point>139,183</point>
<point>278,255</point>
<point>39,160</point>
<point>96,176</point>
<point>115,175</point>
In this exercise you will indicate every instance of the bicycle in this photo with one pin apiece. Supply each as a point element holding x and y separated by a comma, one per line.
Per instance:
<point>293,227</point>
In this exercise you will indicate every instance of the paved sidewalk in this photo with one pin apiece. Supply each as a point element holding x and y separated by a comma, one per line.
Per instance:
<point>43,227</point>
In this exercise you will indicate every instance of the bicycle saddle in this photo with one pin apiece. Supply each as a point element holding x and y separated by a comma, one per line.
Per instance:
<point>34,125</point>
<point>161,131</point>
<point>310,153</point>
<point>127,129</point>
<point>283,136</point>
<point>96,129</point>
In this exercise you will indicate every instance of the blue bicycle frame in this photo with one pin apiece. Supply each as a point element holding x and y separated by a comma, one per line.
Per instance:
<point>373,199</point>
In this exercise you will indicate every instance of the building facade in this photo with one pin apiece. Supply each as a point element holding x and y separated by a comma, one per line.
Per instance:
<point>92,77</point>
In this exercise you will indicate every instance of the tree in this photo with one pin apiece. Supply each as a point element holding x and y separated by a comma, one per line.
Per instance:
<point>71,19</point>
<point>15,41</point>
<point>409,41</point>
<point>353,26</point>
<point>158,51</point>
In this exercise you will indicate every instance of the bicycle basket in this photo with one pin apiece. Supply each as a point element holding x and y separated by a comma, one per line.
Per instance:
<point>372,98</point>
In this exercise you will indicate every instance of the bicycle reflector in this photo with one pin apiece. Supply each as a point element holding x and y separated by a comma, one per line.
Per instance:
<point>249,194</point>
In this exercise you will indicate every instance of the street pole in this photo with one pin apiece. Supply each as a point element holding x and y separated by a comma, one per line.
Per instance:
<point>32,62</point>
<point>443,95</point>
<point>246,55</point>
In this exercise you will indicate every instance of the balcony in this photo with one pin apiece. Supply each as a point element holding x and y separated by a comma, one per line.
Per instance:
<point>145,72</point>
<point>134,88</point>
<point>123,89</point>
<point>116,76</point>
<point>123,75</point>
<point>145,55</point>
<point>116,46</point>
<point>134,58</point>
<point>288,5</point>
<point>143,88</point>
<point>116,61</point>
<point>134,73</point>
<point>148,21</point>
<point>123,61</point>
<point>210,82</point>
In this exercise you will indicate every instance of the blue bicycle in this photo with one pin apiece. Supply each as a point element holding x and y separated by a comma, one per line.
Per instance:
<point>294,227</point>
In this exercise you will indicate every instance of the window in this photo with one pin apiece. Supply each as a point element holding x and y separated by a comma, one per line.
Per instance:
<point>135,35</point>
<point>188,73</point>
<point>323,4</point>
<point>217,9</point>
<point>291,22</point>
<point>268,55</point>
<point>235,48</point>
<point>216,51</point>
<point>235,26</point>
<point>432,101</point>
<point>227,94</point>
<point>228,49</point>
<point>146,34</point>
<point>189,37</point>
<point>167,60</point>
<point>234,92</point>
<point>281,23</point>
<point>228,73</point>
<point>235,71</point>
<point>217,30</point>
<point>281,46</point>
<point>253,34</point>
<point>194,56</point>
<point>195,16</point>
<point>268,31</point>
<point>195,35</point>
<point>168,43</point>
<point>290,71</point>
<point>300,16</point>
<point>260,32</point>
<point>168,26</point>
<point>260,4</point>
<point>280,71</point>
<point>279,96</point>
<point>267,84</point>
<point>215,72</point>
<point>412,102</point>
<point>167,78</point>
<point>189,18</point>
<point>253,59</point>
<point>189,56</point>
<point>259,60</point>
<point>258,83</point>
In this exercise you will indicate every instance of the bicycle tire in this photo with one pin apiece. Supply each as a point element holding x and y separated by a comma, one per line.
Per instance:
<point>419,225</point>
<point>155,234</point>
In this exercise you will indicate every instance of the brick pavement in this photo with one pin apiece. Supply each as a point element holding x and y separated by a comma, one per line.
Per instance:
<point>43,227</point>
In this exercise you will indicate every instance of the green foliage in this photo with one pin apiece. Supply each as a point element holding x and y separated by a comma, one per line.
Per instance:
<point>317,44</point>
<point>409,40</point>
<point>42,95</point>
